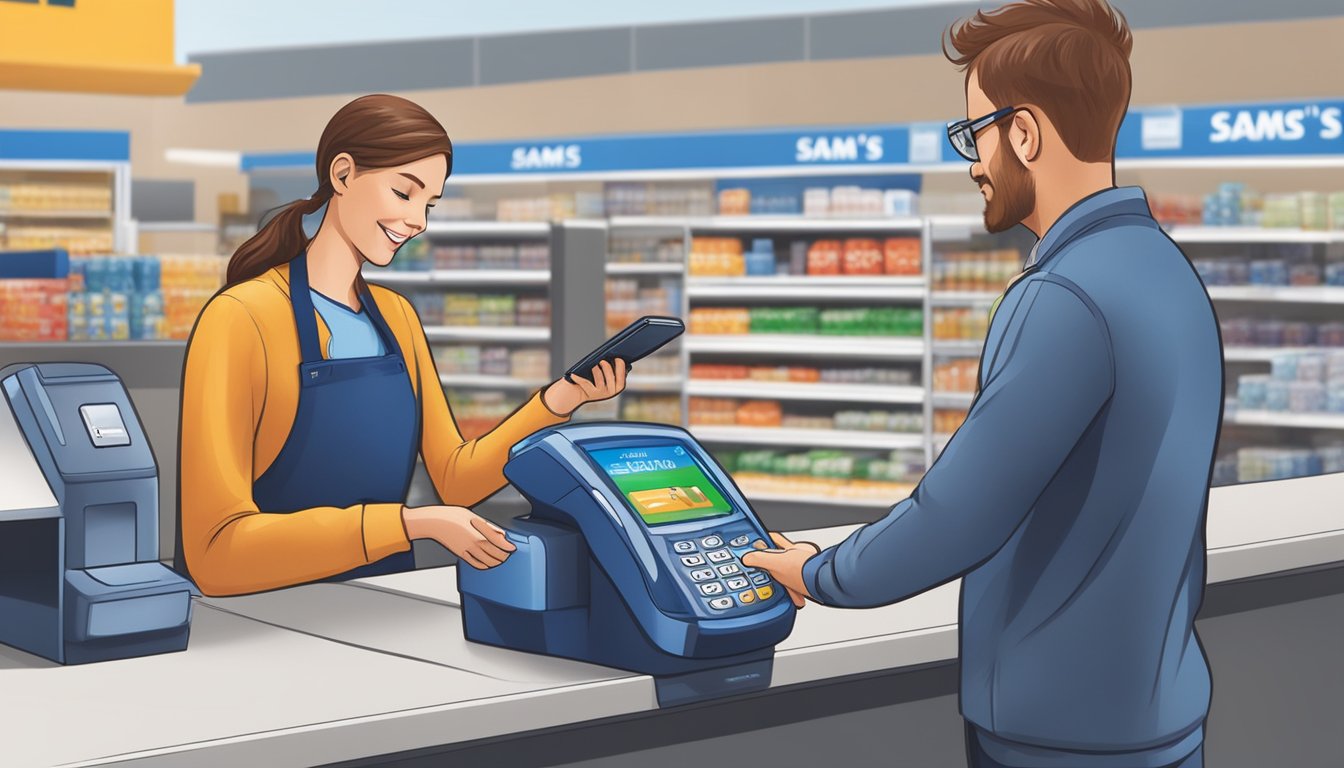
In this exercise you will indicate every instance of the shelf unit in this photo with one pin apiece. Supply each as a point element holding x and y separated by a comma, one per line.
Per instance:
<point>818,438</point>
<point>1238,235</point>
<point>823,291</point>
<point>1330,421</point>
<point>114,172</point>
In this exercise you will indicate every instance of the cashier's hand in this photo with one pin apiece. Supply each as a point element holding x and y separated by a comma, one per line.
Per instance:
<point>784,564</point>
<point>475,540</point>
<point>563,397</point>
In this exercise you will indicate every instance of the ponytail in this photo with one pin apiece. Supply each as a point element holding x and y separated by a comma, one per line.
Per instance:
<point>278,242</point>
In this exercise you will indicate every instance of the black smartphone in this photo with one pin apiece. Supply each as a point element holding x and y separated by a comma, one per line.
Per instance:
<point>636,341</point>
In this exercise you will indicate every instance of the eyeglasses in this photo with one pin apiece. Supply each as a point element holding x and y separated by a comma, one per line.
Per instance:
<point>962,132</point>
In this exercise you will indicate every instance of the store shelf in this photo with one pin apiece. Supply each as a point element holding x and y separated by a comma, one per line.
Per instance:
<point>818,288</point>
<point>486,333</point>
<point>476,380</point>
<point>784,224</point>
<point>888,347</point>
<point>820,438</point>
<point>830,501</point>
<point>658,223</point>
<point>618,268</point>
<point>460,277</point>
<point>1267,354</point>
<point>1295,420</point>
<point>960,400</point>
<point>58,215</point>
<point>852,393</point>
<point>498,229</point>
<point>961,298</point>
<point>634,383</point>
<point>1315,294</point>
<point>1252,235</point>
<point>155,227</point>
<point>958,347</point>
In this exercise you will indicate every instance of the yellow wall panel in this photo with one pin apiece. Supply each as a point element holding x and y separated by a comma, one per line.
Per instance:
<point>90,31</point>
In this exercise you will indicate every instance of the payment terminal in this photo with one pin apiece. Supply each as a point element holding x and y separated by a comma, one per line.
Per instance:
<point>631,558</point>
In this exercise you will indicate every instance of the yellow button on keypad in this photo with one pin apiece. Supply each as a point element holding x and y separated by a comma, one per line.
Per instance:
<point>747,597</point>
<point>765,593</point>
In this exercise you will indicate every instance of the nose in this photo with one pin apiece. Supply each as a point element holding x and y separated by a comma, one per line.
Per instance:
<point>977,170</point>
<point>415,222</point>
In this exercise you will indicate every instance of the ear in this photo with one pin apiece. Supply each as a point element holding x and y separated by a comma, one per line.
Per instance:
<point>1025,136</point>
<point>342,168</point>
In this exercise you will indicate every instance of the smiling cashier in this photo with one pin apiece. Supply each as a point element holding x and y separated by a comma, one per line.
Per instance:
<point>307,393</point>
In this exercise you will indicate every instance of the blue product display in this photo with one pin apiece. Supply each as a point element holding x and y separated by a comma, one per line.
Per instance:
<point>631,558</point>
<point>51,264</point>
<point>79,518</point>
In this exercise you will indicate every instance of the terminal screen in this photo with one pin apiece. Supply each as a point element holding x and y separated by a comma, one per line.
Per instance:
<point>663,483</point>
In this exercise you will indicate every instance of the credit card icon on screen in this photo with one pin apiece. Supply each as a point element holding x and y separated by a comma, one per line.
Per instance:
<point>677,498</point>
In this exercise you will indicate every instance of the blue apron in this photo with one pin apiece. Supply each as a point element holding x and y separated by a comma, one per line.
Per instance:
<point>355,433</point>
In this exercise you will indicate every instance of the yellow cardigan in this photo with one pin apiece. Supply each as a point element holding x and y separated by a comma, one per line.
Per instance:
<point>240,393</point>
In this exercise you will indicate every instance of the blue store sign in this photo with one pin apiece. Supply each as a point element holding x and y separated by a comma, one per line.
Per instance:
<point>1240,130</point>
<point>1303,128</point>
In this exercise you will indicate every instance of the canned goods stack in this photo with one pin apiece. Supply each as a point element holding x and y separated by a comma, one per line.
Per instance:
<point>716,257</point>
<point>976,271</point>
<point>960,324</point>
<point>1303,383</point>
<point>33,309</point>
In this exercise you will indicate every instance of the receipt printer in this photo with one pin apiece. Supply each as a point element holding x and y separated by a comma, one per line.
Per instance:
<point>80,579</point>
<point>631,558</point>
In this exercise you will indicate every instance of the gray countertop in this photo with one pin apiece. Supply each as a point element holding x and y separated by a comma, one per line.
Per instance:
<point>330,672</point>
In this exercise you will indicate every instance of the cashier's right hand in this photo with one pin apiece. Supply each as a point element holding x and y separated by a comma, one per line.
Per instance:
<point>475,540</point>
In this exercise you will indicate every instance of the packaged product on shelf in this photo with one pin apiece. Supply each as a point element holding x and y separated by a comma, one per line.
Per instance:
<point>775,205</point>
<point>452,209</point>
<point>900,202</point>
<point>461,309</point>
<point>759,413</point>
<point>712,411</point>
<point>658,410</point>
<point>901,256</point>
<point>534,256</point>
<point>533,312</point>
<point>532,364</point>
<point>62,196</point>
<point>862,257</point>
<point>801,421</point>
<point>498,310</point>
<point>816,201</point>
<point>720,320</point>
<point>799,320</point>
<point>1315,211</point>
<point>823,257</point>
<point>760,260</point>
<point>716,257</point>
<point>495,361</point>
<point>453,359</point>
<point>34,309</point>
<point>948,420</point>
<point>734,202</point>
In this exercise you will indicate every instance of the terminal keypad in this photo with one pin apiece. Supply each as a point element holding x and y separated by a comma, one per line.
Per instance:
<point>716,570</point>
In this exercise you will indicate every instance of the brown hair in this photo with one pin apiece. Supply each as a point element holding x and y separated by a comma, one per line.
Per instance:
<point>378,131</point>
<point>1070,58</point>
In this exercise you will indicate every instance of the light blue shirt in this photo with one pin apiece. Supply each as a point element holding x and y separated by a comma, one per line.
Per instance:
<point>1072,504</point>
<point>353,334</point>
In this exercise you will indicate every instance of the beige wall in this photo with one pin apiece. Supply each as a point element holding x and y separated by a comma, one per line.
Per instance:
<point>1189,65</point>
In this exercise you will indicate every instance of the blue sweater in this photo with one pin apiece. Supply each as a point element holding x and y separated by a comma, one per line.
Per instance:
<point>1072,503</point>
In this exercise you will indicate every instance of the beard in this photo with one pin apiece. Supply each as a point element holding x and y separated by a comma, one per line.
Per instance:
<point>1014,192</point>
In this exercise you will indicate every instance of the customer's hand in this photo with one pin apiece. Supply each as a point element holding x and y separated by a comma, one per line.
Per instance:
<point>784,564</point>
<point>563,397</point>
<point>475,540</point>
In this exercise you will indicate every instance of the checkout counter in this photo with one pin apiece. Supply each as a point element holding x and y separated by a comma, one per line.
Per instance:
<point>351,672</point>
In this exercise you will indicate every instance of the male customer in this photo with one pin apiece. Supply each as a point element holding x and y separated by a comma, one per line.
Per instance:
<point>1072,501</point>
